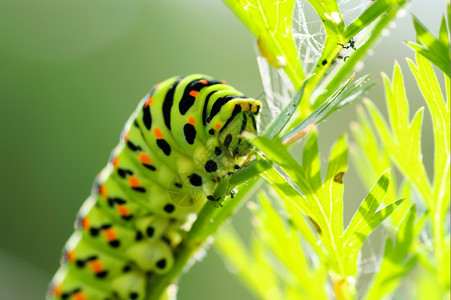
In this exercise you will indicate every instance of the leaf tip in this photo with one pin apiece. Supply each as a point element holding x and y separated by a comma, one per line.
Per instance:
<point>354,126</point>
<point>359,108</point>
<point>366,101</point>
<point>252,206</point>
<point>397,68</point>
<point>414,18</point>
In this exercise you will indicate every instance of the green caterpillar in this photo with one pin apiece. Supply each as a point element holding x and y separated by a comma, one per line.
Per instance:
<point>175,148</point>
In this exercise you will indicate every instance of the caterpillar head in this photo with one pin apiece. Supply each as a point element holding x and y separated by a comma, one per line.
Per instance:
<point>231,119</point>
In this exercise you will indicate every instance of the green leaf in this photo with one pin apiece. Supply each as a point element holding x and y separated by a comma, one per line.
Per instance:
<point>439,201</point>
<point>284,243</point>
<point>333,185</point>
<point>435,50</point>
<point>440,114</point>
<point>443,32</point>
<point>275,151</point>
<point>345,95</point>
<point>407,158</point>
<point>284,116</point>
<point>271,23</point>
<point>398,108</point>
<point>405,238</point>
<point>448,6</point>
<point>323,207</point>
<point>282,184</point>
<point>398,259</point>
<point>377,9</point>
<point>310,160</point>
<point>330,16</point>
<point>297,210</point>
<point>365,220</point>
<point>371,160</point>
<point>446,261</point>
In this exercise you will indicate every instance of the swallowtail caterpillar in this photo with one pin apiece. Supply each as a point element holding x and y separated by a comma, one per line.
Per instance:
<point>181,140</point>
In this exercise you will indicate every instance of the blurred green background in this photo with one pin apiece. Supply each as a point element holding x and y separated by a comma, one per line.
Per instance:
<point>71,72</point>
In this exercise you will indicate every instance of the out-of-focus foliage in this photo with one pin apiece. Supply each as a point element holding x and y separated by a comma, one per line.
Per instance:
<point>436,50</point>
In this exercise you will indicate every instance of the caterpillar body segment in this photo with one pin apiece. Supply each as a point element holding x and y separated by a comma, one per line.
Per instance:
<point>183,137</point>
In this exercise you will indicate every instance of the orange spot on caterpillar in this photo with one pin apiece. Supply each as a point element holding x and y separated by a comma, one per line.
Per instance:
<point>122,210</point>
<point>223,82</point>
<point>194,93</point>
<point>191,120</point>
<point>57,290</point>
<point>133,181</point>
<point>203,81</point>
<point>158,134</point>
<point>79,296</point>
<point>86,223</point>
<point>126,135</point>
<point>149,102</point>
<point>110,234</point>
<point>70,255</point>
<point>115,162</point>
<point>102,191</point>
<point>96,266</point>
<point>218,125</point>
<point>144,158</point>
